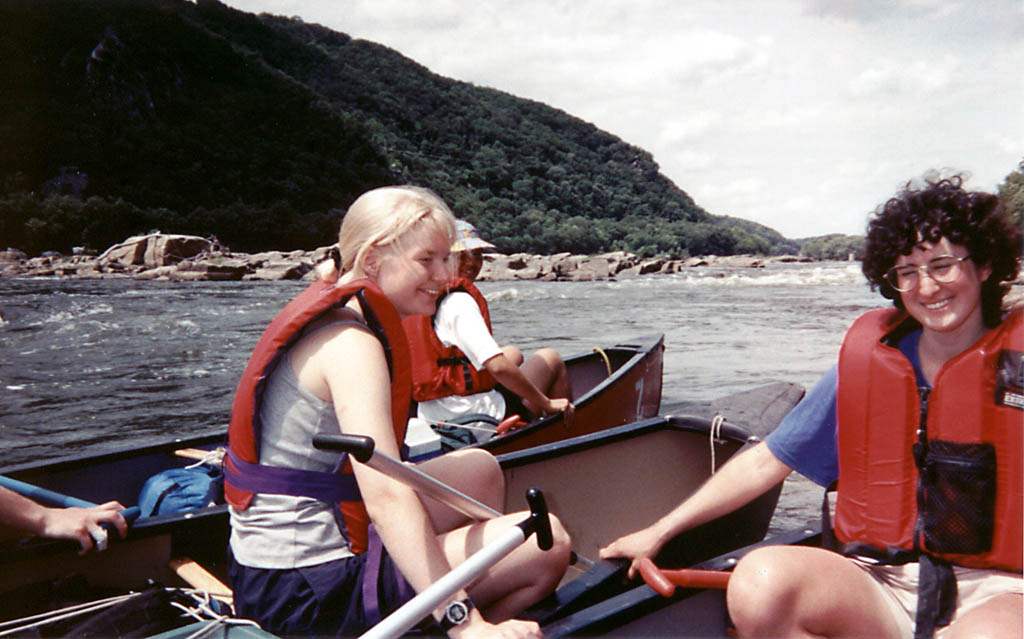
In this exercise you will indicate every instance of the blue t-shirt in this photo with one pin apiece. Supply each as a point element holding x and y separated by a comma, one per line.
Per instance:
<point>806,440</point>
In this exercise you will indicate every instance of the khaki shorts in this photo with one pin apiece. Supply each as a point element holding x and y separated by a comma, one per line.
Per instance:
<point>975,586</point>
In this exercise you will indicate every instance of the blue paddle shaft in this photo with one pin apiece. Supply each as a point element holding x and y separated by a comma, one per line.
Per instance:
<point>41,494</point>
<point>56,499</point>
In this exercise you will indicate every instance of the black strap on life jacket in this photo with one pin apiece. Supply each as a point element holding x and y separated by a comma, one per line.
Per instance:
<point>936,596</point>
<point>467,373</point>
<point>936,585</point>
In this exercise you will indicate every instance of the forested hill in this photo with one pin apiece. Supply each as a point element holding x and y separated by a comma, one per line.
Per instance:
<point>124,116</point>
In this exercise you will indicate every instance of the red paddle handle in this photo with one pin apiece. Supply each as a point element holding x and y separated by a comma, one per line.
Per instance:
<point>511,422</point>
<point>664,582</point>
<point>655,579</point>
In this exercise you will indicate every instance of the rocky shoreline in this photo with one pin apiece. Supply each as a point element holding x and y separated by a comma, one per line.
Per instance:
<point>188,258</point>
<point>159,256</point>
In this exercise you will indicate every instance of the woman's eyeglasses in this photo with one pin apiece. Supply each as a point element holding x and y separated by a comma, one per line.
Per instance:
<point>943,269</point>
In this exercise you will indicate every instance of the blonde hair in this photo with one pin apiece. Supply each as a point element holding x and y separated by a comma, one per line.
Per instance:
<point>382,217</point>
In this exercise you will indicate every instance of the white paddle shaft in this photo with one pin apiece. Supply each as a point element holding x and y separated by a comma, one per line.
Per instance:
<point>397,623</point>
<point>427,485</point>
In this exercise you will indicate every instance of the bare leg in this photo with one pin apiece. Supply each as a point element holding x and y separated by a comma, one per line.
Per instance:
<point>474,472</point>
<point>998,617</point>
<point>522,578</point>
<point>513,354</point>
<point>789,591</point>
<point>546,370</point>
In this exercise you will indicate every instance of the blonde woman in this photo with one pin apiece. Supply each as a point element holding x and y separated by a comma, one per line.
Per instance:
<point>314,555</point>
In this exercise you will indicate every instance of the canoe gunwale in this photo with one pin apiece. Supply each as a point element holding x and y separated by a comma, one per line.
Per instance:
<point>691,423</point>
<point>642,348</point>
<point>84,460</point>
<point>633,603</point>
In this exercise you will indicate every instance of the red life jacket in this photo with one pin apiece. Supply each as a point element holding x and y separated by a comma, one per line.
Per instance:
<point>243,475</point>
<point>439,370</point>
<point>975,408</point>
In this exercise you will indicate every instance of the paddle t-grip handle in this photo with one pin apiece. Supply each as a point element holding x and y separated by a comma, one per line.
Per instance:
<point>359,446</point>
<point>539,521</point>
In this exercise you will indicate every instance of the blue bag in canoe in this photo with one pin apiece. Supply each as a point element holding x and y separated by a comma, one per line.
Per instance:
<point>180,489</point>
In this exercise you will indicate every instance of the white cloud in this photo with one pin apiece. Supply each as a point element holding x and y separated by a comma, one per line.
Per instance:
<point>920,78</point>
<point>777,111</point>
<point>686,161</point>
<point>683,130</point>
<point>873,11</point>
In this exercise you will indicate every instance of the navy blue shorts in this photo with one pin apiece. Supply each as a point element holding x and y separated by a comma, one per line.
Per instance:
<point>514,405</point>
<point>340,598</point>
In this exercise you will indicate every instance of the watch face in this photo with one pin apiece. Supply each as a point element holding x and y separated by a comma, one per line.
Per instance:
<point>457,612</point>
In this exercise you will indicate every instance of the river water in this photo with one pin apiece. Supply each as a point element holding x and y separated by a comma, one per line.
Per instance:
<point>93,365</point>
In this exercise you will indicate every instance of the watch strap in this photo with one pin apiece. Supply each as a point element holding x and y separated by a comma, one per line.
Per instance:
<point>456,613</point>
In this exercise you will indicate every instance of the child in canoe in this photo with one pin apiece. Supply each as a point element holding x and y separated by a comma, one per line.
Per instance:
<point>458,367</point>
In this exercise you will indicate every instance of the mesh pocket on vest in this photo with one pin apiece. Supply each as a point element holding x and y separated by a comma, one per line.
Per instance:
<point>959,482</point>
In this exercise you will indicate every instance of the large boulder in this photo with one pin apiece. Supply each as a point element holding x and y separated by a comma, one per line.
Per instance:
<point>281,270</point>
<point>130,252</point>
<point>155,249</point>
<point>619,261</point>
<point>210,270</point>
<point>165,250</point>
<point>12,255</point>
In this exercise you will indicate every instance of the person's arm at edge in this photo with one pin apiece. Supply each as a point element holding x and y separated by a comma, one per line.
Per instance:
<point>741,480</point>
<point>509,376</point>
<point>18,513</point>
<point>805,441</point>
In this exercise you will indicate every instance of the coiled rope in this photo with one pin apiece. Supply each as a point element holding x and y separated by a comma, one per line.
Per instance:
<point>607,362</point>
<point>714,433</point>
<point>203,611</point>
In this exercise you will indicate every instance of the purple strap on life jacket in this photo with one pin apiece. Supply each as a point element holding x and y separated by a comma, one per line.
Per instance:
<point>371,580</point>
<point>275,480</point>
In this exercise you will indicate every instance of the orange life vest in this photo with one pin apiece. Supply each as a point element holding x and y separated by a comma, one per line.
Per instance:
<point>243,474</point>
<point>976,404</point>
<point>439,370</point>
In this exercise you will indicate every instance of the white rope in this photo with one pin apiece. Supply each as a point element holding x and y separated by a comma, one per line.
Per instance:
<point>59,615</point>
<point>203,612</point>
<point>607,362</point>
<point>714,433</point>
<point>213,458</point>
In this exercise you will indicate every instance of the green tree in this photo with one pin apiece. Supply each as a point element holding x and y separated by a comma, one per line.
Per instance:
<point>200,118</point>
<point>833,247</point>
<point>1011,192</point>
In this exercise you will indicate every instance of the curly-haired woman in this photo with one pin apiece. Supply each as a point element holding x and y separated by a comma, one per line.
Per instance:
<point>920,423</point>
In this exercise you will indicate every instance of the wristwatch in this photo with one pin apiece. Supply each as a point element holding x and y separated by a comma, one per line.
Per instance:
<point>456,614</point>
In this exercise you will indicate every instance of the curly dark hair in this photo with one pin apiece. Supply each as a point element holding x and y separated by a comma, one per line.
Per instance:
<point>942,208</point>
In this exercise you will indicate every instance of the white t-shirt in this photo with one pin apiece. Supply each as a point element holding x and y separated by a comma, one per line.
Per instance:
<point>460,323</point>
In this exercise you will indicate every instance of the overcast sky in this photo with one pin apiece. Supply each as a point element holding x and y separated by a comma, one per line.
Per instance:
<point>802,115</point>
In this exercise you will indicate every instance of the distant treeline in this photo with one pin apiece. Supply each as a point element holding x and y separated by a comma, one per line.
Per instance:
<point>125,116</point>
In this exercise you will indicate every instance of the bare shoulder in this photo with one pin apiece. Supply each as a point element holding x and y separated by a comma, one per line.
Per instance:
<point>337,355</point>
<point>342,342</point>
